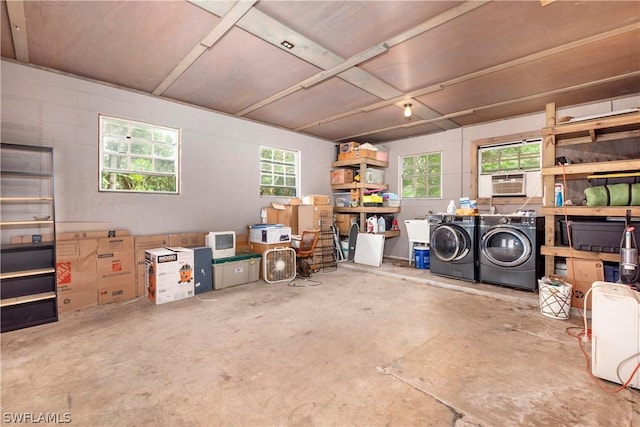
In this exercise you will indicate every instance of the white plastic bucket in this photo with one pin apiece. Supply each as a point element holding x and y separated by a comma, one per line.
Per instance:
<point>555,300</point>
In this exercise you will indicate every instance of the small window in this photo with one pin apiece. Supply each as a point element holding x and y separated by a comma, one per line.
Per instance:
<point>138,157</point>
<point>512,157</point>
<point>422,176</point>
<point>278,172</point>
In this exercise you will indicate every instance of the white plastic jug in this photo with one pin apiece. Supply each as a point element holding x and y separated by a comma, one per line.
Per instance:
<point>372,225</point>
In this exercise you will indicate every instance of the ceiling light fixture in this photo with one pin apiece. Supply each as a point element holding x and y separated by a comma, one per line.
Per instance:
<point>407,111</point>
<point>287,44</point>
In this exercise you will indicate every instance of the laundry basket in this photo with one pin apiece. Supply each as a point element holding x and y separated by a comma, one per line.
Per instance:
<point>555,299</point>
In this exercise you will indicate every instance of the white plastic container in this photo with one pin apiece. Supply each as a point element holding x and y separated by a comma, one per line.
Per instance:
<point>451,209</point>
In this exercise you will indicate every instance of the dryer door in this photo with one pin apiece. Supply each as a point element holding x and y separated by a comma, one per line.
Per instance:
<point>505,246</point>
<point>449,243</point>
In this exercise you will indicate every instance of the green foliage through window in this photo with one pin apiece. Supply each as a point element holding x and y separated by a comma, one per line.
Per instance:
<point>278,172</point>
<point>422,176</point>
<point>138,157</point>
<point>510,157</point>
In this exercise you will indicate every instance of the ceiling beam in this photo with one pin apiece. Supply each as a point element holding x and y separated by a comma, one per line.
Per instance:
<point>220,29</point>
<point>439,86</point>
<point>496,105</point>
<point>274,32</point>
<point>18,23</point>
<point>319,77</point>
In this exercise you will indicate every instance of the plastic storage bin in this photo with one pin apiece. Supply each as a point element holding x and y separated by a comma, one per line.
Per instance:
<point>236,270</point>
<point>598,236</point>
<point>342,200</point>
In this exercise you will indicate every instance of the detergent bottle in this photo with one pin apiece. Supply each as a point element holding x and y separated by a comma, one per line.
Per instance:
<point>451,209</point>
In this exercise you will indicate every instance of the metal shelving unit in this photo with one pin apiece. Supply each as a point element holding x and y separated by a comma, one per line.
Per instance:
<point>28,260</point>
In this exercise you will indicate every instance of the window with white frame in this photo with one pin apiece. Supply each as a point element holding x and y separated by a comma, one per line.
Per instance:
<point>512,157</point>
<point>278,172</point>
<point>421,176</point>
<point>138,157</point>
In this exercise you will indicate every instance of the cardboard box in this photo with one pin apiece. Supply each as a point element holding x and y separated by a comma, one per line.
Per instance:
<point>318,212</point>
<point>110,294</point>
<point>344,221</point>
<point>76,273</point>
<point>187,240</point>
<point>347,147</point>
<point>586,272</point>
<point>316,199</point>
<point>141,244</point>
<point>116,244</point>
<point>68,301</point>
<point>116,269</point>
<point>269,234</point>
<point>309,216</point>
<point>357,154</point>
<point>169,274</point>
<point>341,176</point>
<point>261,248</point>
<point>286,215</point>
<point>242,242</point>
<point>71,235</point>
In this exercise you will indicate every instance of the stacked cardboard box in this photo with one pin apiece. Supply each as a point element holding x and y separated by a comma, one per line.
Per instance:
<point>89,263</point>
<point>76,273</point>
<point>116,269</point>
<point>341,176</point>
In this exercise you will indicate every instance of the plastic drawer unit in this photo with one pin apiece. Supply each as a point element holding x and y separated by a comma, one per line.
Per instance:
<point>236,270</point>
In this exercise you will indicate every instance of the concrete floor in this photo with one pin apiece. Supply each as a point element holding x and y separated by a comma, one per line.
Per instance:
<point>367,346</point>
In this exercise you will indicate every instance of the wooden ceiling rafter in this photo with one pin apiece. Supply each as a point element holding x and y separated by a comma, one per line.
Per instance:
<point>18,23</point>
<point>500,67</point>
<point>496,105</point>
<point>220,29</point>
<point>346,69</point>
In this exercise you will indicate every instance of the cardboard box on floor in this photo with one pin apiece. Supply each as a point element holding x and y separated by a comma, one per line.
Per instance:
<point>76,273</point>
<point>116,269</point>
<point>98,234</point>
<point>586,272</point>
<point>141,244</point>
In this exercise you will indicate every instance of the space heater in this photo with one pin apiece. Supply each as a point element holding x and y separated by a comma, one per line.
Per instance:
<point>615,332</point>
<point>279,265</point>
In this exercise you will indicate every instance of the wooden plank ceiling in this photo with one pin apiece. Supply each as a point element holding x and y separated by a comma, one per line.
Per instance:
<point>341,70</point>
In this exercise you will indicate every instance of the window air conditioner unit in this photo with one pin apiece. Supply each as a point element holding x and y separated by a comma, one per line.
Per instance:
<point>511,184</point>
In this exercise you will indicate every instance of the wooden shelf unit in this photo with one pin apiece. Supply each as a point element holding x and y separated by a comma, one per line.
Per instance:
<point>361,165</point>
<point>598,130</point>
